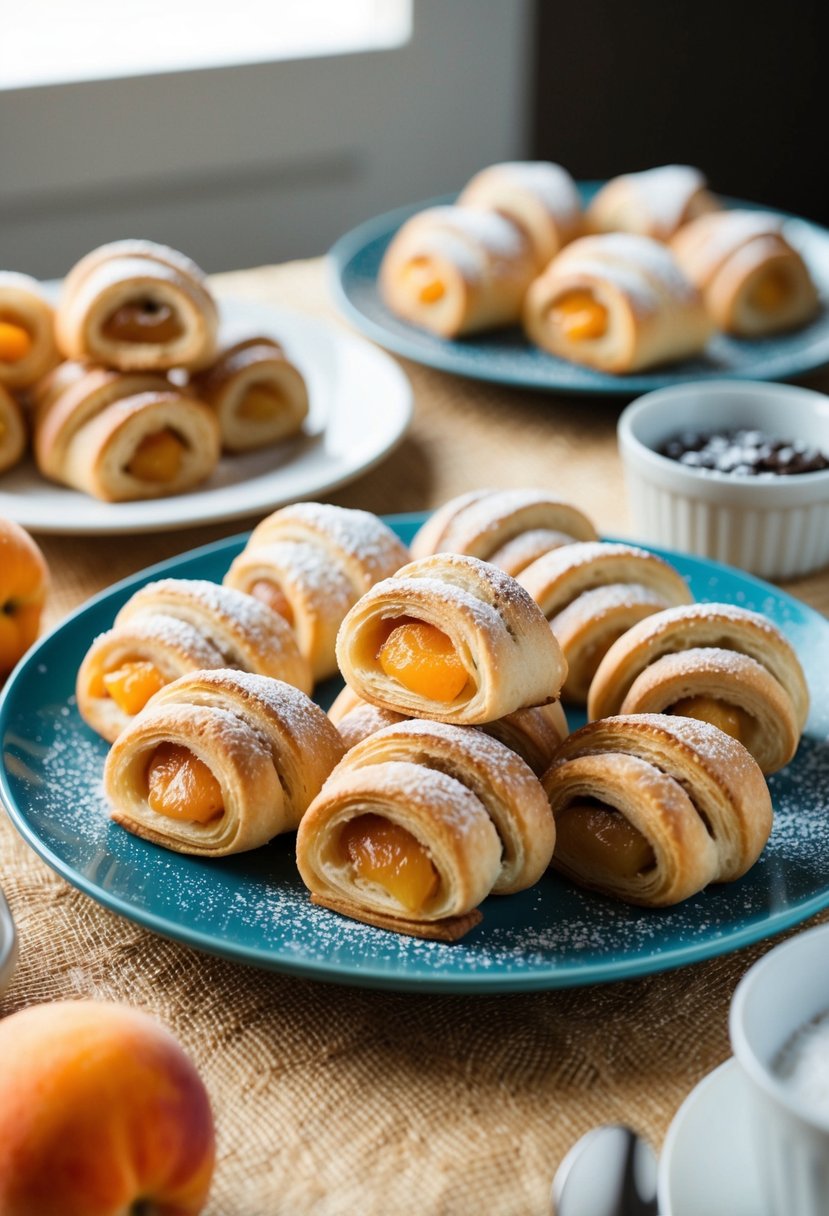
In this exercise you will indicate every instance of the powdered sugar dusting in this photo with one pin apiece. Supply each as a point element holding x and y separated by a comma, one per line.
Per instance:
<point>255,907</point>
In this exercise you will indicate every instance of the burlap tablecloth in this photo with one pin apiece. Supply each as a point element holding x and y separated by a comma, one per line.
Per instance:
<point>335,1100</point>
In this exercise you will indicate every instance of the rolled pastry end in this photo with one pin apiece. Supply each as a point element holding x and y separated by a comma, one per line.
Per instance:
<point>401,847</point>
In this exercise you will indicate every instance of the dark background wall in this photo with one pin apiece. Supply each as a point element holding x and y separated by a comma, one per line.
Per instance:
<point>739,89</point>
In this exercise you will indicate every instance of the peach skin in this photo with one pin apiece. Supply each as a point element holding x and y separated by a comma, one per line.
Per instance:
<point>101,1114</point>
<point>23,579</point>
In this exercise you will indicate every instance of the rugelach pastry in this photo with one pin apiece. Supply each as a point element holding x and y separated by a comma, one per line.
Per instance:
<point>450,638</point>
<point>650,808</point>
<point>137,306</point>
<point>220,762</point>
<point>592,593</point>
<point>13,431</point>
<point>170,628</point>
<point>311,562</point>
<point>509,528</point>
<point>27,322</point>
<point>655,203</point>
<point>457,271</point>
<point>753,281</point>
<point>259,396</point>
<point>717,662</point>
<point>533,734</point>
<point>539,197</point>
<point>418,824</point>
<point>618,303</point>
<point>119,436</point>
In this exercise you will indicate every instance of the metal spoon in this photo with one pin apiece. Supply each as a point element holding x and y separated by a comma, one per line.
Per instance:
<point>611,1171</point>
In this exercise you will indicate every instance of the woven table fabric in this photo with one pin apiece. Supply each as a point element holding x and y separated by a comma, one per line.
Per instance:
<point>332,1099</point>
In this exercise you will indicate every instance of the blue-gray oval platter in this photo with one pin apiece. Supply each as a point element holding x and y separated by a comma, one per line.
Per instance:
<point>253,908</point>
<point>506,357</point>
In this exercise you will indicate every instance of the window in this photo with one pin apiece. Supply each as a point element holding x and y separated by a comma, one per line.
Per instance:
<point>51,42</point>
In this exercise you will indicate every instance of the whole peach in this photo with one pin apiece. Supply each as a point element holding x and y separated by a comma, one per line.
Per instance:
<point>23,579</point>
<point>101,1114</point>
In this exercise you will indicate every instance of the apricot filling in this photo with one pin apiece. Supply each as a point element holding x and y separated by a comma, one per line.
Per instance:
<point>143,320</point>
<point>729,718</point>
<point>602,839</point>
<point>157,458</point>
<point>181,786</point>
<point>423,659</point>
<point>15,341</point>
<point>382,852</point>
<point>579,316</point>
<point>132,684</point>
<point>272,595</point>
<point>425,282</point>
<point>771,291</point>
<point>260,403</point>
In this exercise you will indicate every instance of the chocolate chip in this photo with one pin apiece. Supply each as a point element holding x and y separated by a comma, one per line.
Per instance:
<point>744,453</point>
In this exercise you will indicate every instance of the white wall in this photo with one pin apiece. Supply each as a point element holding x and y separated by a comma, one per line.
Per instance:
<point>254,164</point>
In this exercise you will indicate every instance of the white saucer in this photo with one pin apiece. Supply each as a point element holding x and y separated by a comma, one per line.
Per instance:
<point>707,1164</point>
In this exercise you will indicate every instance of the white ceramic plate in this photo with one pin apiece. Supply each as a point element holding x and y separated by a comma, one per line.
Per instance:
<point>707,1166</point>
<point>361,404</point>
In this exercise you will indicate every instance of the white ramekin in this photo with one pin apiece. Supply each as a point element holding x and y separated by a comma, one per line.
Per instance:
<point>777,527</point>
<point>777,996</point>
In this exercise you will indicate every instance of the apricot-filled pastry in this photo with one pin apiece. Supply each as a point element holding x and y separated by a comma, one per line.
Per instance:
<point>27,323</point>
<point>592,593</point>
<point>655,202</point>
<point>311,562</point>
<point>170,628</point>
<point>540,197</point>
<point>451,638</point>
<point>618,303</point>
<point>220,762</point>
<point>753,281</point>
<point>13,431</point>
<point>715,662</point>
<point>533,734</point>
<point>509,528</point>
<point>122,436</point>
<point>457,270</point>
<point>418,824</point>
<point>651,808</point>
<point>137,306</point>
<point>259,396</point>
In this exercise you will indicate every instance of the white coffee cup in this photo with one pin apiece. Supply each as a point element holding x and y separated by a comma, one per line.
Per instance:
<point>778,996</point>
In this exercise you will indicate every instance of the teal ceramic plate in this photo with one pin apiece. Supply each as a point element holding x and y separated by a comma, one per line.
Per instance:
<point>253,908</point>
<point>506,357</point>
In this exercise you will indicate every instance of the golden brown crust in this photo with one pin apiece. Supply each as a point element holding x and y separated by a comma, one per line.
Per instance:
<point>654,203</point>
<point>89,423</point>
<point>452,929</point>
<point>132,273</point>
<point>694,794</point>
<point>456,271</point>
<point>181,626</point>
<point>511,658</point>
<point>753,280</point>
<point>255,363</point>
<point>13,431</point>
<point>540,197</point>
<point>509,528</point>
<point>269,747</point>
<point>23,303</point>
<point>730,654</point>
<point>593,592</point>
<point>652,313</point>
<point>322,559</point>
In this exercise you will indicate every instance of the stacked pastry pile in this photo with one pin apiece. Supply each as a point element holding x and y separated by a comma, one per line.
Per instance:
<point>444,771</point>
<point>123,386</point>
<point>641,278</point>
